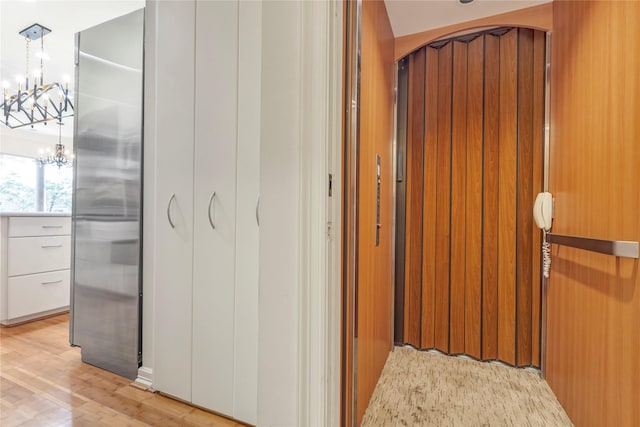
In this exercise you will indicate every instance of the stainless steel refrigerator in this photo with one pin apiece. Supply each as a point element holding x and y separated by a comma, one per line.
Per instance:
<point>107,198</point>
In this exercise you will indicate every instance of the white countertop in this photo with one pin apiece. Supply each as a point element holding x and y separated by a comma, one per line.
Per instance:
<point>33,214</point>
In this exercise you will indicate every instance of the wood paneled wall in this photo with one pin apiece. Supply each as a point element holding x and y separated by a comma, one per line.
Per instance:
<point>374,287</point>
<point>593,341</point>
<point>474,166</point>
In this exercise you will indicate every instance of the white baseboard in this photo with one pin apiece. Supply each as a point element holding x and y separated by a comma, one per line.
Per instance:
<point>145,377</point>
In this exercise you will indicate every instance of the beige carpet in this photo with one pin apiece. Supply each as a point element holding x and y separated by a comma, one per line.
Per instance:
<point>419,388</point>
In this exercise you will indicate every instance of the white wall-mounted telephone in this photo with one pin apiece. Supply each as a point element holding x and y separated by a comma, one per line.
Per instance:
<point>543,215</point>
<point>543,210</point>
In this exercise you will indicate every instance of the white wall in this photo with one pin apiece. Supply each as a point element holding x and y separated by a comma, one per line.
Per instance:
<point>299,301</point>
<point>28,142</point>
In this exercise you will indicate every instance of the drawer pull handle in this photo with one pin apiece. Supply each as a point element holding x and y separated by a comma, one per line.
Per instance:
<point>52,282</point>
<point>51,226</point>
<point>211,221</point>
<point>51,246</point>
<point>258,211</point>
<point>173,197</point>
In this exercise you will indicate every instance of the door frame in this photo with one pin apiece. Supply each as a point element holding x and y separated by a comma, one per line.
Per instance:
<point>320,205</point>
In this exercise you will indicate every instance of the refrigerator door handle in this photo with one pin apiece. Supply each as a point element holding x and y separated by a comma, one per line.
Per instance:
<point>173,197</point>
<point>213,196</point>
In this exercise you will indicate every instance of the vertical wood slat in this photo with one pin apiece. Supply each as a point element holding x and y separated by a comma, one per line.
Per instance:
<point>507,197</point>
<point>524,196</point>
<point>458,198</point>
<point>443,198</point>
<point>539,57</point>
<point>429,199</point>
<point>413,222</point>
<point>490,199</point>
<point>473,250</point>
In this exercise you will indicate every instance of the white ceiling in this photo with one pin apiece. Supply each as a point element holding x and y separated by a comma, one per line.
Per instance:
<point>414,16</point>
<point>64,18</point>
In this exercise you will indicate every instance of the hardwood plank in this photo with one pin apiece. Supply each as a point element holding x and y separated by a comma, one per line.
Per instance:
<point>507,197</point>
<point>443,197</point>
<point>594,299</point>
<point>458,198</point>
<point>413,215</point>
<point>51,386</point>
<point>490,199</point>
<point>429,198</point>
<point>525,197</point>
<point>539,58</point>
<point>473,249</point>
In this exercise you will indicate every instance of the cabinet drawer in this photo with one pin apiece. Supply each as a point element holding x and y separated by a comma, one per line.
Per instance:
<point>36,293</point>
<point>24,226</point>
<point>27,255</point>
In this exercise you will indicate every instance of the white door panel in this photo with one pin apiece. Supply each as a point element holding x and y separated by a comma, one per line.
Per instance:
<point>215,171</point>
<point>174,166</point>
<point>246,296</point>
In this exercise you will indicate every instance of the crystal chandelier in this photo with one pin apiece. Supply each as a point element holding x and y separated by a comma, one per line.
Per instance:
<point>35,102</point>
<point>59,157</point>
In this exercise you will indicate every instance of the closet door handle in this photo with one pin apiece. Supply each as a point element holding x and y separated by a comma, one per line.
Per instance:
<point>173,197</point>
<point>258,211</point>
<point>213,196</point>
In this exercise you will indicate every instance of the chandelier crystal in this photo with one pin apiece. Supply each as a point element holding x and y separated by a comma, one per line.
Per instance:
<point>34,101</point>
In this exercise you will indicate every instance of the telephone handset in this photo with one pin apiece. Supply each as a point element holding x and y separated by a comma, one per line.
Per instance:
<point>543,210</point>
<point>543,215</point>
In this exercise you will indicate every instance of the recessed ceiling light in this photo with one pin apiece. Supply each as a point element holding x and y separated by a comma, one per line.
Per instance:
<point>465,1</point>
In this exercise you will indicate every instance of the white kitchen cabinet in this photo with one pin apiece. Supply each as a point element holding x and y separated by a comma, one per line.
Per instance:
<point>207,161</point>
<point>34,266</point>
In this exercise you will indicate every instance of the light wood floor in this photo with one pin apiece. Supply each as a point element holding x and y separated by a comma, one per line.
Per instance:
<point>44,383</point>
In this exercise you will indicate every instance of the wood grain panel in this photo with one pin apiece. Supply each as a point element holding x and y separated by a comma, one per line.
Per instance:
<point>473,249</point>
<point>413,215</point>
<point>429,209</point>
<point>593,340</point>
<point>490,199</point>
<point>478,182</point>
<point>525,197</point>
<point>539,17</point>
<point>458,198</point>
<point>539,58</point>
<point>507,197</point>
<point>374,274</point>
<point>443,197</point>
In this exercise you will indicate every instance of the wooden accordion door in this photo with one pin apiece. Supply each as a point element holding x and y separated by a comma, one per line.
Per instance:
<point>474,145</point>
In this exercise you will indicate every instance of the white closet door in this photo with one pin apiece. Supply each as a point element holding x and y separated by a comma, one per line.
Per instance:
<point>173,73</point>
<point>215,204</point>
<point>246,301</point>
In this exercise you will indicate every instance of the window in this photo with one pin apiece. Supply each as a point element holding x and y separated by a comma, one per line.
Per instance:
<point>27,187</point>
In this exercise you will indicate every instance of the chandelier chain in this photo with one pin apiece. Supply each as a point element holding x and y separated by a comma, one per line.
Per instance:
<point>41,56</point>
<point>26,61</point>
